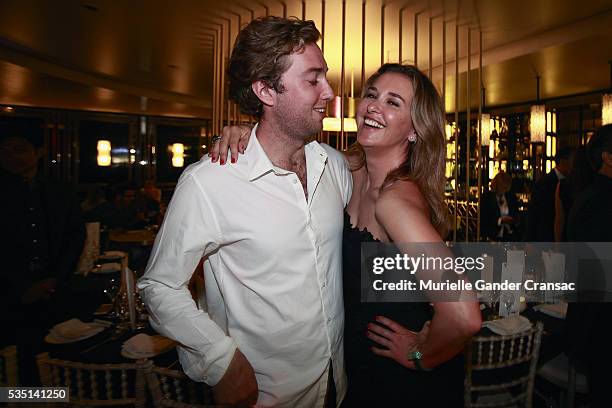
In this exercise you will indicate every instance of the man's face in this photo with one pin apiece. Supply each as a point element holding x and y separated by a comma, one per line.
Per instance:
<point>299,110</point>
<point>128,196</point>
<point>565,166</point>
<point>18,156</point>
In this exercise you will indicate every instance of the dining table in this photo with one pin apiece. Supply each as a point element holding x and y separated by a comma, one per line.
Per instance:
<point>92,299</point>
<point>137,243</point>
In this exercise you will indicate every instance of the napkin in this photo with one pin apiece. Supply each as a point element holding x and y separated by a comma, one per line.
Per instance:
<point>558,310</point>
<point>74,329</point>
<point>508,325</point>
<point>143,344</point>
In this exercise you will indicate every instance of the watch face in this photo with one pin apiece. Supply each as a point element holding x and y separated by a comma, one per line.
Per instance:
<point>416,355</point>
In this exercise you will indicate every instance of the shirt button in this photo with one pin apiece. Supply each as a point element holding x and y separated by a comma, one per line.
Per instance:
<point>33,225</point>
<point>329,320</point>
<point>323,285</point>
<point>34,240</point>
<point>294,181</point>
<point>31,208</point>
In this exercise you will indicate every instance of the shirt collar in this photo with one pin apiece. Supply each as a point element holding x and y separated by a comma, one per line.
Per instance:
<point>560,175</point>
<point>259,164</point>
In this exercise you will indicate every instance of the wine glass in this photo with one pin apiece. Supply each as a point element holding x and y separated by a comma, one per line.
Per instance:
<point>111,290</point>
<point>508,299</point>
<point>492,297</point>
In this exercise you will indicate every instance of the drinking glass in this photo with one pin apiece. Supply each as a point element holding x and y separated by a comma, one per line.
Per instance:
<point>492,297</point>
<point>508,299</point>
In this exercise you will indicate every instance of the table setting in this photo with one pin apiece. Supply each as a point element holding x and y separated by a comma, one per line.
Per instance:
<point>116,331</point>
<point>74,330</point>
<point>510,312</point>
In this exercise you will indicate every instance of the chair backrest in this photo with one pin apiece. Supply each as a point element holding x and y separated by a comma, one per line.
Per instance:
<point>8,366</point>
<point>502,365</point>
<point>96,384</point>
<point>172,388</point>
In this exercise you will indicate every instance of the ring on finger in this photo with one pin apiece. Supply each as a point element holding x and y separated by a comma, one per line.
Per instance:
<point>215,139</point>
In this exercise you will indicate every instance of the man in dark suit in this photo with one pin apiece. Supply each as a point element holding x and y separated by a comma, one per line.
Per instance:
<point>541,217</point>
<point>590,220</point>
<point>43,233</point>
<point>499,210</point>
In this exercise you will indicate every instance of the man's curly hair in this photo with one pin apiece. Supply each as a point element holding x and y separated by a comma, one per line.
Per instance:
<point>260,54</point>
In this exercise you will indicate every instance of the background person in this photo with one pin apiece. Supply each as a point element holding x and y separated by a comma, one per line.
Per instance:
<point>569,188</point>
<point>541,215</point>
<point>499,210</point>
<point>45,234</point>
<point>590,220</point>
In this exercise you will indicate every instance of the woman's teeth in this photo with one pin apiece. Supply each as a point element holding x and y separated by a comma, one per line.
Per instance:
<point>373,123</point>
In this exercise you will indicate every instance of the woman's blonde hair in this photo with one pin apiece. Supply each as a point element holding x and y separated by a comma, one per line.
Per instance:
<point>425,159</point>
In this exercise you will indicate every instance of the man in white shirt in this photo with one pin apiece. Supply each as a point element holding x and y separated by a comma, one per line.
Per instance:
<point>269,230</point>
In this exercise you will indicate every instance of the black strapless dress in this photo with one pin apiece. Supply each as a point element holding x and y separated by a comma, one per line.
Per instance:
<point>379,381</point>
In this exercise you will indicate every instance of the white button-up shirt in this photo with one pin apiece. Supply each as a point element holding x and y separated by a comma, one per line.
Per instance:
<point>272,270</point>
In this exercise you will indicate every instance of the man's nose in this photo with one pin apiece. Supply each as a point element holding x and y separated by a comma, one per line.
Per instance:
<point>328,92</point>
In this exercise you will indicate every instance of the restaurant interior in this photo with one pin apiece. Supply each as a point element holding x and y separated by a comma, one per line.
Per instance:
<point>125,95</point>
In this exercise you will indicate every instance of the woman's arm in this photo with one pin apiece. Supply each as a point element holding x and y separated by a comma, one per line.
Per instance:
<point>404,215</point>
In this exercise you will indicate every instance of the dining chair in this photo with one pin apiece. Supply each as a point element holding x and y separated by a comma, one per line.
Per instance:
<point>95,384</point>
<point>8,366</point>
<point>568,376</point>
<point>172,388</point>
<point>500,370</point>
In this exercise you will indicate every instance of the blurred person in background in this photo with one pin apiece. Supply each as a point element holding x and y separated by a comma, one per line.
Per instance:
<point>569,188</point>
<point>541,216</point>
<point>499,210</point>
<point>152,191</point>
<point>96,208</point>
<point>590,220</point>
<point>44,237</point>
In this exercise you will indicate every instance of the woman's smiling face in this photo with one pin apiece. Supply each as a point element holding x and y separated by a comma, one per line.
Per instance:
<point>384,114</point>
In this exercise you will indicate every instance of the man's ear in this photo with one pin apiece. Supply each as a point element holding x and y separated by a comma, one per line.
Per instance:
<point>265,92</point>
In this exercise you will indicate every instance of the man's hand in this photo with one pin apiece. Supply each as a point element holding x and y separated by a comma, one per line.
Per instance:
<point>236,138</point>
<point>42,289</point>
<point>506,219</point>
<point>238,387</point>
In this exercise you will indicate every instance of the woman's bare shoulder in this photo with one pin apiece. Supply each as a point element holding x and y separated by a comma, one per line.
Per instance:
<point>403,193</point>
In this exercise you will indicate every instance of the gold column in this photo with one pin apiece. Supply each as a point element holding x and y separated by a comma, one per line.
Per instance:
<point>468,136</point>
<point>479,140</point>
<point>456,175</point>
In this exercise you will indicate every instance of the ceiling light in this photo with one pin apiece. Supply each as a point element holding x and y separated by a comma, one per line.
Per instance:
<point>104,153</point>
<point>606,109</point>
<point>537,121</point>
<point>178,155</point>
<point>485,129</point>
<point>606,103</point>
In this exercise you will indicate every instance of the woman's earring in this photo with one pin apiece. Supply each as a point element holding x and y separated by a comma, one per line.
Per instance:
<point>412,138</point>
